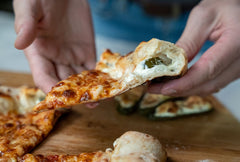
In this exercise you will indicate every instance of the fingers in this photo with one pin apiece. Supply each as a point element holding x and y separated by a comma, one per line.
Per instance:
<point>199,25</point>
<point>230,74</point>
<point>91,58</point>
<point>64,71</point>
<point>202,22</point>
<point>87,53</point>
<point>43,70</point>
<point>209,67</point>
<point>26,18</point>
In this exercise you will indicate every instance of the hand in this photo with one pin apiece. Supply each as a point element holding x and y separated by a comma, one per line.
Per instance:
<point>218,21</point>
<point>57,38</point>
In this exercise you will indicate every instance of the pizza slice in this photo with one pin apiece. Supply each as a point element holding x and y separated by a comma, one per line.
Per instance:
<point>132,146</point>
<point>21,129</point>
<point>115,74</point>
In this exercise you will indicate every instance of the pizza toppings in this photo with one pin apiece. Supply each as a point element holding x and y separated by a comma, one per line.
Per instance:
<point>157,61</point>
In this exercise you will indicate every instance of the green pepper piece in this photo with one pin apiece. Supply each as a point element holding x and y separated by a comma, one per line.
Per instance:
<point>163,59</point>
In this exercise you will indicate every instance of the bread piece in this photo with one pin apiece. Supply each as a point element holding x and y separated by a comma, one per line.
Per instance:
<point>132,146</point>
<point>158,106</point>
<point>150,101</point>
<point>188,106</point>
<point>152,59</point>
<point>137,147</point>
<point>115,74</point>
<point>128,102</point>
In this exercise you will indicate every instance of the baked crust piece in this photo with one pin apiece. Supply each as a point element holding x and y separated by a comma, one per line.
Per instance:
<point>152,100</point>
<point>158,106</point>
<point>20,129</point>
<point>19,100</point>
<point>83,157</point>
<point>190,105</point>
<point>129,102</point>
<point>115,74</point>
<point>132,146</point>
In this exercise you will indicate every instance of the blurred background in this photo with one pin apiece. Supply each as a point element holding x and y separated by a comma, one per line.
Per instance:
<point>120,25</point>
<point>133,21</point>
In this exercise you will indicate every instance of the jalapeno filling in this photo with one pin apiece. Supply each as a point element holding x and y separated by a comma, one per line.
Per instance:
<point>163,59</point>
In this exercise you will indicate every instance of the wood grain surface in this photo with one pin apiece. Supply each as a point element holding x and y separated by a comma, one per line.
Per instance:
<point>213,136</point>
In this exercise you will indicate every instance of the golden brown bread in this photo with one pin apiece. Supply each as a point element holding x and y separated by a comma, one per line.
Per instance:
<point>115,74</point>
<point>20,129</point>
<point>158,106</point>
<point>132,146</point>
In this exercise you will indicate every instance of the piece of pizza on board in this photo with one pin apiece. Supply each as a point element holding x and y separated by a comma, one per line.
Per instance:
<point>20,129</point>
<point>115,74</point>
<point>158,106</point>
<point>132,146</point>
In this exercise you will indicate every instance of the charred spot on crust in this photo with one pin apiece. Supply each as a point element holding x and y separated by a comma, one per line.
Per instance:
<point>59,84</point>
<point>162,59</point>
<point>108,51</point>
<point>4,95</point>
<point>69,93</point>
<point>39,156</point>
<point>52,157</point>
<point>106,92</point>
<point>55,102</point>
<point>129,53</point>
<point>20,116</point>
<point>173,109</point>
<point>56,93</point>
<point>93,73</point>
<point>85,96</point>
<point>8,125</point>
<point>88,156</point>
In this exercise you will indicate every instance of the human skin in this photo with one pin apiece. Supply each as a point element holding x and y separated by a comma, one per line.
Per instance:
<point>218,21</point>
<point>57,38</point>
<point>58,41</point>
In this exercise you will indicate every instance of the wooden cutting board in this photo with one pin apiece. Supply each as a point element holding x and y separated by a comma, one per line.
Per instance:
<point>213,136</point>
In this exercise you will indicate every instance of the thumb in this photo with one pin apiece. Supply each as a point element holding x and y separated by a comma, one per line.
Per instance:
<point>196,32</point>
<point>25,22</point>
